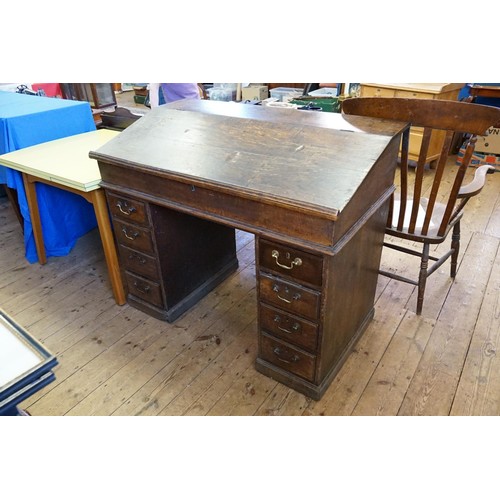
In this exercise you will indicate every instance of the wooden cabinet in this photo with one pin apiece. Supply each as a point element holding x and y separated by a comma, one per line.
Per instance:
<point>447,91</point>
<point>99,95</point>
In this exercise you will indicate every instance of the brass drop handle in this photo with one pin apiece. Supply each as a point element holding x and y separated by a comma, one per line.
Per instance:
<point>295,262</point>
<point>128,210</point>
<point>295,326</point>
<point>279,354</point>
<point>142,289</point>
<point>296,296</point>
<point>133,237</point>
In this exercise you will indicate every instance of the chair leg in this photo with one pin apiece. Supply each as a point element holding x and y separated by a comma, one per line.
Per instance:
<point>455,245</point>
<point>422,278</point>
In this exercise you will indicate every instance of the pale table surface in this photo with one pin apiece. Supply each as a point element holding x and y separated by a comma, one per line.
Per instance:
<point>63,161</point>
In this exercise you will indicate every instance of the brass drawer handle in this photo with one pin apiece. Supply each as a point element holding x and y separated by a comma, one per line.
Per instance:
<point>133,237</point>
<point>295,326</point>
<point>142,289</point>
<point>296,262</point>
<point>128,210</point>
<point>276,288</point>
<point>279,355</point>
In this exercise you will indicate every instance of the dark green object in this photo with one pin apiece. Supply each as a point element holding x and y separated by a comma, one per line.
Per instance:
<point>330,104</point>
<point>140,99</point>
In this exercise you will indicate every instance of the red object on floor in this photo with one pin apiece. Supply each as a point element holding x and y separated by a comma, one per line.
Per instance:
<point>51,89</point>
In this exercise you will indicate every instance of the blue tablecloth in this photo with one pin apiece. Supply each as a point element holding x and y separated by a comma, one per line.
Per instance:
<point>28,120</point>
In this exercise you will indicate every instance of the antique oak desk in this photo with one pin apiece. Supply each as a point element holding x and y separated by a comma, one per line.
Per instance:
<point>313,188</point>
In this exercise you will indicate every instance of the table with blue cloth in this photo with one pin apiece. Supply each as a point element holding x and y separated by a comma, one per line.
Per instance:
<point>27,120</point>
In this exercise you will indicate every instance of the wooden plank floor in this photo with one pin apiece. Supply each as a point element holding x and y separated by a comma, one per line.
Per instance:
<point>118,361</point>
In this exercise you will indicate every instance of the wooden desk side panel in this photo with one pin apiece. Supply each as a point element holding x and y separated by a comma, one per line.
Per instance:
<point>351,279</point>
<point>376,187</point>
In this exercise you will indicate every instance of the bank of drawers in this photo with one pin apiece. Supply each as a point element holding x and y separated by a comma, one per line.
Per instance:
<point>290,282</point>
<point>391,92</point>
<point>136,248</point>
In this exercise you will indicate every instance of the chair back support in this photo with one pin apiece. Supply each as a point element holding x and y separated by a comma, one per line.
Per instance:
<point>427,210</point>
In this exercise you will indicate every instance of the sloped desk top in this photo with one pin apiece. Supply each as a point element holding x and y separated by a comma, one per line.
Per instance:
<point>305,165</point>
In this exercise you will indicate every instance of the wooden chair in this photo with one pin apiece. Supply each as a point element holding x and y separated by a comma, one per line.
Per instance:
<point>417,214</point>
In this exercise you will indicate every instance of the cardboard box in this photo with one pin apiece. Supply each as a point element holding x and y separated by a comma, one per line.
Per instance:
<point>489,143</point>
<point>479,159</point>
<point>254,93</point>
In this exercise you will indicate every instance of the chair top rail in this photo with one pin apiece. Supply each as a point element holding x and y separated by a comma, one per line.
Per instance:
<point>457,116</point>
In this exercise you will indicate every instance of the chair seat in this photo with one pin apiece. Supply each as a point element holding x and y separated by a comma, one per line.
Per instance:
<point>436,218</point>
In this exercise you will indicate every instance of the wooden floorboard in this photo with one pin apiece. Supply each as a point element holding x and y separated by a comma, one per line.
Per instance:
<point>434,385</point>
<point>479,384</point>
<point>116,360</point>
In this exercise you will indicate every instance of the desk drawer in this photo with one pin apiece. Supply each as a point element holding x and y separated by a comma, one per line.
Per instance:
<point>127,208</point>
<point>287,357</point>
<point>134,237</point>
<point>291,298</point>
<point>139,263</point>
<point>291,262</point>
<point>145,289</point>
<point>376,92</point>
<point>249,214</point>
<point>412,94</point>
<point>293,329</point>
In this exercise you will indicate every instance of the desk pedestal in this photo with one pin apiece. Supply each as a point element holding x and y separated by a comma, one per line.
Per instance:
<point>169,260</point>
<point>311,315</point>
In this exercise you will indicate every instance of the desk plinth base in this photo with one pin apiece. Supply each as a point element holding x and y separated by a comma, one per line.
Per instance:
<point>314,391</point>
<point>181,307</point>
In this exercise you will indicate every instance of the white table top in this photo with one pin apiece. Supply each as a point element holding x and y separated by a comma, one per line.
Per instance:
<point>63,161</point>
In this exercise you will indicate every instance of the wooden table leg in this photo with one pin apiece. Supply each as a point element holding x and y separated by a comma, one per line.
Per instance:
<point>30,188</point>
<point>108,243</point>
<point>12,196</point>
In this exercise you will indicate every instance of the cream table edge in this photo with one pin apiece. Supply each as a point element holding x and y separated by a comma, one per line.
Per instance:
<point>88,177</point>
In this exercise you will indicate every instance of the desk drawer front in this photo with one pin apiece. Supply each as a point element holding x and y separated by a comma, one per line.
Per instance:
<point>248,214</point>
<point>291,262</point>
<point>134,237</point>
<point>287,357</point>
<point>412,94</point>
<point>291,298</point>
<point>139,263</point>
<point>290,328</point>
<point>127,209</point>
<point>376,92</point>
<point>145,289</point>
